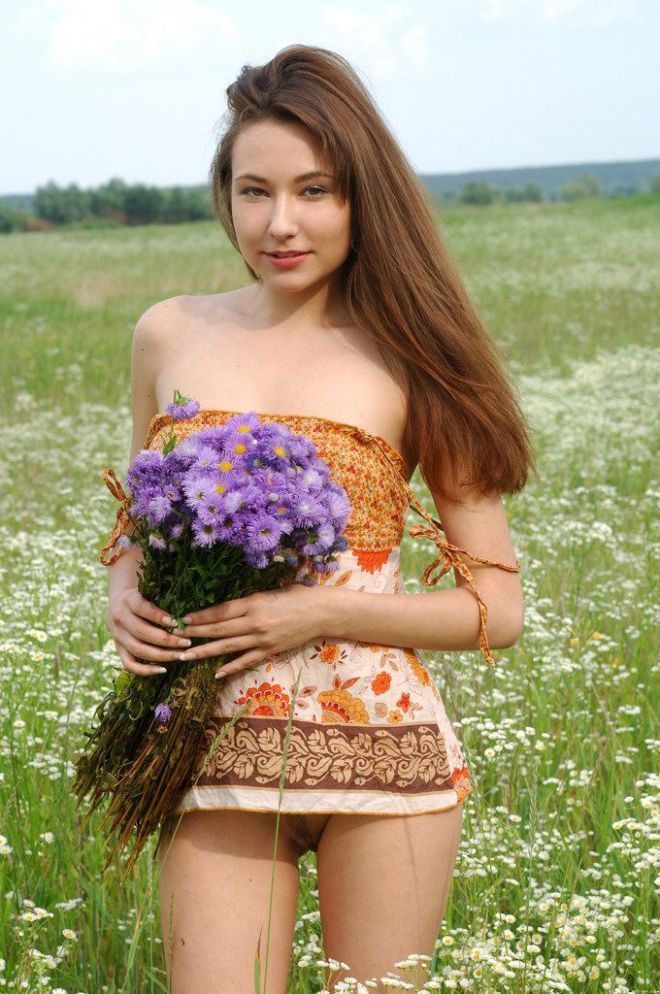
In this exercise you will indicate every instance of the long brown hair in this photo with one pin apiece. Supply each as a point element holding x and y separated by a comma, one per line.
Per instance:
<point>464,422</point>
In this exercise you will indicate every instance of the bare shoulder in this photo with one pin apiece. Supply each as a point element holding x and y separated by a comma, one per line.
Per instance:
<point>154,331</point>
<point>170,317</point>
<point>167,322</point>
<point>162,317</point>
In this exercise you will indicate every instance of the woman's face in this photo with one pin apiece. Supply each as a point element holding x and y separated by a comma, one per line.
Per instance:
<point>279,206</point>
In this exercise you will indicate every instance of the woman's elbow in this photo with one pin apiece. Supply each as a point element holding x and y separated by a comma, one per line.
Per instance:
<point>510,628</point>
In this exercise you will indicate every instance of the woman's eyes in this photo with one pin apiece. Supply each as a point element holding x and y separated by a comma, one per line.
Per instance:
<point>256,189</point>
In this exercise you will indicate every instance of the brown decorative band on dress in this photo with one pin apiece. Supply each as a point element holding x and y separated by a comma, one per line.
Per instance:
<point>406,759</point>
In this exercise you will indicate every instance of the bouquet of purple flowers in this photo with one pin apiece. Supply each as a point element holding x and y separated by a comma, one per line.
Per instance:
<point>230,510</point>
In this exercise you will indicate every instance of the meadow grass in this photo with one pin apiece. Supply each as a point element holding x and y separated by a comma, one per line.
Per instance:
<point>558,863</point>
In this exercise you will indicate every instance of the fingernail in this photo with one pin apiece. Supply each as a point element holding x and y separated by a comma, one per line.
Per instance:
<point>220,674</point>
<point>187,619</point>
<point>161,669</point>
<point>167,620</point>
<point>185,656</point>
<point>185,642</point>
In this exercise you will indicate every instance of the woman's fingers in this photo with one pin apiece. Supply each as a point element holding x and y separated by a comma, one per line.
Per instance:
<point>220,647</point>
<point>143,650</point>
<point>154,635</point>
<point>141,606</point>
<point>125,620</point>
<point>246,662</point>
<point>130,663</point>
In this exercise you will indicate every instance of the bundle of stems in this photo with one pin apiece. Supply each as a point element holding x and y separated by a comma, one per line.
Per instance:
<point>145,765</point>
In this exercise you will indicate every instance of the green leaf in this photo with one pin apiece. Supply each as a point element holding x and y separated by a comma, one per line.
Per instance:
<point>122,681</point>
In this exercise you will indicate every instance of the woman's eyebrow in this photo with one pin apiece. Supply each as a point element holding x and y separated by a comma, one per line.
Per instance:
<point>297,179</point>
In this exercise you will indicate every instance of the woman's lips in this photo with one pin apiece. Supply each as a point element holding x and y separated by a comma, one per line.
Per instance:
<point>287,261</point>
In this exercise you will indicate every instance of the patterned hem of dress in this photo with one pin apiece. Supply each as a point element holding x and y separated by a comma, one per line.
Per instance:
<point>349,801</point>
<point>407,760</point>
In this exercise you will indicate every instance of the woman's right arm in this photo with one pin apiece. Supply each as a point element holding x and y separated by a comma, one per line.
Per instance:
<point>133,621</point>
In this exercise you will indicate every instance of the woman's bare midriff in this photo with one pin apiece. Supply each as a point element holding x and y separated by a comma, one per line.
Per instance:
<point>216,355</point>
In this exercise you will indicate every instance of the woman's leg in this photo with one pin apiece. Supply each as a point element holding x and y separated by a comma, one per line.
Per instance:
<point>215,879</point>
<point>383,886</point>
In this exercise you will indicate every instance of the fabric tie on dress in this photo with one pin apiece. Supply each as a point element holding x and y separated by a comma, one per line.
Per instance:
<point>123,518</point>
<point>450,556</point>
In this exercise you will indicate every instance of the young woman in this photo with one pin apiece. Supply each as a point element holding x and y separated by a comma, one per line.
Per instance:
<point>365,340</point>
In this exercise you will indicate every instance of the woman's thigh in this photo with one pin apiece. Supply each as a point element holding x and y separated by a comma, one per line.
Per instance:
<point>215,881</point>
<point>383,886</point>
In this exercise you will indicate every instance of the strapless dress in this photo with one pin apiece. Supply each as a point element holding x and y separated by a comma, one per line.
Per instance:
<point>369,731</point>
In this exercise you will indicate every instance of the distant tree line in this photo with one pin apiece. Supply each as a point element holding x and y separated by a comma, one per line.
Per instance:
<point>585,187</point>
<point>113,203</point>
<point>119,203</point>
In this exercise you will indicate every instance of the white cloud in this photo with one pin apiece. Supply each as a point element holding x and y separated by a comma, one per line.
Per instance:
<point>385,40</point>
<point>569,13</point>
<point>120,36</point>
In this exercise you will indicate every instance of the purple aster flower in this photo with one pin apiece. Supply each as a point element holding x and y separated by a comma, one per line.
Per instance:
<point>146,469</point>
<point>172,491</point>
<point>182,408</point>
<point>337,502</point>
<point>213,509</point>
<point>255,495</point>
<point>260,560</point>
<point>263,532</point>
<point>159,508</point>
<point>206,456</point>
<point>177,462</point>
<point>162,713</point>
<point>232,500</point>
<point>205,534</point>
<point>302,449</point>
<point>186,449</point>
<point>143,502</point>
<point>241,422</point>
<point>308,511</point>
<point>229,529</point>
<point>326,535</point>
<point>311,478</point>
<point>199,487</point>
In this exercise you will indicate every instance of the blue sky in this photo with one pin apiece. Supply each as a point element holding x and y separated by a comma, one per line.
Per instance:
<point>136,88</point>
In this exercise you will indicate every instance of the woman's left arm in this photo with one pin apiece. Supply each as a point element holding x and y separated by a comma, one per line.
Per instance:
<point>269,622</point>
<point>450,620</point>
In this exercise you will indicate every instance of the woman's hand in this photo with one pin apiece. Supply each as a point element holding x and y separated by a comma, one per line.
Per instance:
<point>262,624</point>
<point>134,624</point>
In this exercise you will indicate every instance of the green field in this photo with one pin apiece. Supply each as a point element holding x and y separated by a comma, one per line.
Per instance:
<point>559,853</point>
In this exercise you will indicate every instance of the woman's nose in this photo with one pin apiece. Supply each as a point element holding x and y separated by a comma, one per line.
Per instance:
<point>282,218</point>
